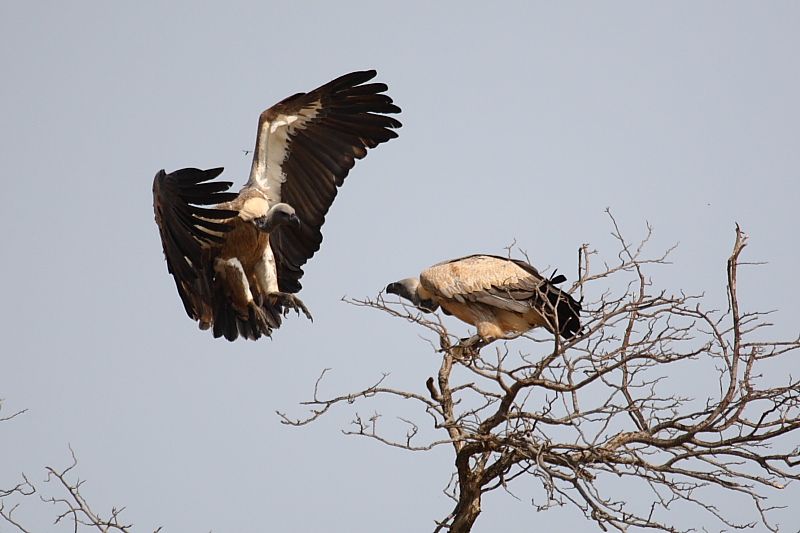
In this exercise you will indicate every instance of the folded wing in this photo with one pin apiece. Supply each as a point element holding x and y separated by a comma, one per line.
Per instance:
<point>506,284</point>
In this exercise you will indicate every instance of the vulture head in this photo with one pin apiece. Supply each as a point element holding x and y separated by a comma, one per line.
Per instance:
<point>279,214</point>
<point>409,289</point>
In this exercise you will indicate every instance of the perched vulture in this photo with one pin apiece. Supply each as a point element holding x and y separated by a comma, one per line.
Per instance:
<point>503,298</point>
<point>238,262</point>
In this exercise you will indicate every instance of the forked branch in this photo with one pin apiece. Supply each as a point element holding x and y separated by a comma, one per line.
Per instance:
<point>605,420</point>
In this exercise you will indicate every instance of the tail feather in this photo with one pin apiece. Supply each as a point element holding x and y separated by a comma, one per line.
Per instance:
<point>261,320</point>
<point>567,312</point>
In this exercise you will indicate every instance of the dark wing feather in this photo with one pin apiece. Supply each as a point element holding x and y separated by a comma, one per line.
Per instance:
<point>535,292</point>
<point>187,230</point>
<point>567,309</point>
<point>352,118</point>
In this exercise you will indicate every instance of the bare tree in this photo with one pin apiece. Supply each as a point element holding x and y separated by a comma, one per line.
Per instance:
<point>608,414</point>
<point>71,506</point>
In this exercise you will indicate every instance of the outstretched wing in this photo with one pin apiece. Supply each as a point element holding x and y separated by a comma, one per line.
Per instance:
<point>187,230</point>
<point>312,141</point>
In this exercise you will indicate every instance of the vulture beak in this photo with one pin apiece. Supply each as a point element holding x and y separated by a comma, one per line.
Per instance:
<point>403,289</point>
<point>294,221</point>
<point>393,288</point>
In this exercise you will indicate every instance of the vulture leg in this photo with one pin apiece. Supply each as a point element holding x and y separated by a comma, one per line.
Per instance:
<point>476,342</point>
<point>289,301</point>
<point>469,348</point>
<point>235,284</point>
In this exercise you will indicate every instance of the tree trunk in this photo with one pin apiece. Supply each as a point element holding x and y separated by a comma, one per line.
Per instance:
<point>467,509</point>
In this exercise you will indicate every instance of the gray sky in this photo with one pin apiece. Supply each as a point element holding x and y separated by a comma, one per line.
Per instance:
<point>521,121</point>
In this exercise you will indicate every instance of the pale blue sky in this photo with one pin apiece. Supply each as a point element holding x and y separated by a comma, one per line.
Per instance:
<point>522,121</point>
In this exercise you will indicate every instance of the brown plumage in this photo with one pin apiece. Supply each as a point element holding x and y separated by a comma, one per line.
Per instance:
<point>503,298</point>
<point>237,265</point>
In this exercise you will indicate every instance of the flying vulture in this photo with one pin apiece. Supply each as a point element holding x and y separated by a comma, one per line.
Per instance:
<point>237,258</point>
<point>503,298</point>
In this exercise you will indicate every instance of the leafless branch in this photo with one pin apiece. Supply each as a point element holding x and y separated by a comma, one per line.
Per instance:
<point>604,422</point>
<point>72,506</point>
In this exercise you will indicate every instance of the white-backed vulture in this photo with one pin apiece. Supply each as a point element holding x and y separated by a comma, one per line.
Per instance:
<point>238,263</point>
<point>503,298</point>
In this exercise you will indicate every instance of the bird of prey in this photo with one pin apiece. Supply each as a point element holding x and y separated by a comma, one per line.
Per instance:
<point>237,258</point>
<point>503,298</point>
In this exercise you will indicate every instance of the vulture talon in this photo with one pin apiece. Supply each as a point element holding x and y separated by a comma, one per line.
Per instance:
<point>289,301</point>
<point>261,320</point>
<point>468,349</point>
<point>475,342</point>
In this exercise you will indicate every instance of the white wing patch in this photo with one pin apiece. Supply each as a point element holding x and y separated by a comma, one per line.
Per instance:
<point>203,230</point>
<point>277,151</point>
<point>282,121</point>
<point>273,144</point>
